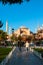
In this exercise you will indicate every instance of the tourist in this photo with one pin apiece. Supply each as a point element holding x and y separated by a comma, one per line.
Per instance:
<point>19,45</point>
<point>27,45</point>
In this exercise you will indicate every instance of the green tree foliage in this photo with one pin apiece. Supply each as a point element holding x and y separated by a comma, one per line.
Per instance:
<point>12,1</point>
<point>19,37</point>
<point>33,38</point>
<point>3,35</point>
<point>29,38</point>
<point>13,38</point>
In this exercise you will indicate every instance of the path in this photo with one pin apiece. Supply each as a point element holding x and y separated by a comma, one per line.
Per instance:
<point>24,58</point>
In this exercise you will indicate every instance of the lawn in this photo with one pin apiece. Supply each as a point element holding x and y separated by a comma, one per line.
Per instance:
<point>40,50</point>
<point>4,52</point>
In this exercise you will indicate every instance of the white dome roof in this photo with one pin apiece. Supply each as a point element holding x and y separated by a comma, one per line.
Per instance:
<point>22,27</point>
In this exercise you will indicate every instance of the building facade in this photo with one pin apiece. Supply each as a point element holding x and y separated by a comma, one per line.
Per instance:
<point>23,31</point>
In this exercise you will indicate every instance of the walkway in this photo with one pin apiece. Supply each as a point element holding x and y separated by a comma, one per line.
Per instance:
<point>24,58</point>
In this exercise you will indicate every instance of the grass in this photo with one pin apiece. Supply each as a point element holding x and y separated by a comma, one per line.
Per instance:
<point>4,52</point>
<point>40,50</point>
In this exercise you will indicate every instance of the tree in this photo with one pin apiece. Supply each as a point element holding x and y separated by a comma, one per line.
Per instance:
<point>12,1</point>
<point>13,38</point>
<point>1,31</point>
<point>3,35</point>
<point>19,38</point>
<point>29,38</point>
<point>1,24</point>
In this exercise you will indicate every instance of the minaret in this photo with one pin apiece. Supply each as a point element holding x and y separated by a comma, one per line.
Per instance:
<point>9,30</point>
<point>7,26</point>
<point>42,26</point>
<point>38,28</point>
<point>35,30</point>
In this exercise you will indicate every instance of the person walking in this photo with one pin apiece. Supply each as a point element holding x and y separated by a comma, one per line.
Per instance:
<point>27,45</point>
<point>19,45</point>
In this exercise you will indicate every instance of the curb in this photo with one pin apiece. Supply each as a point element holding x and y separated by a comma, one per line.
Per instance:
<point>37,54</point>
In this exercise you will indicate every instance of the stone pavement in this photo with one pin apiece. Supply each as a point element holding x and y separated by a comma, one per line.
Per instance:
<point>24,58</point>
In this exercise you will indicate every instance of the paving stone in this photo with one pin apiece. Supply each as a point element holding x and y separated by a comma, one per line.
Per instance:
<point>24,58</point>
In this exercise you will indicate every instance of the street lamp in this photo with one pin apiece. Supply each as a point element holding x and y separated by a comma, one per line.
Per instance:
<point>12,30</point>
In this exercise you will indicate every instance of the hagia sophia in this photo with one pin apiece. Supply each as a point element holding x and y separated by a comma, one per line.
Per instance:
<point>24,32</point>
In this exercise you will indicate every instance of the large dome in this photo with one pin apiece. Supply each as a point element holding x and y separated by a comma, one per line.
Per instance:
<point>23,31</point>
<point>23,27</point>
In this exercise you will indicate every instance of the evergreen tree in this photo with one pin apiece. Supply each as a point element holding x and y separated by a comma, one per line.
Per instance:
<point>12,1</point>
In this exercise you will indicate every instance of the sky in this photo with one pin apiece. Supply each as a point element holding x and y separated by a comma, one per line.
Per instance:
<point>28,14</point>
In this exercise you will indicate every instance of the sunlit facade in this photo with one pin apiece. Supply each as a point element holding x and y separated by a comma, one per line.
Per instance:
<point>23,31</point>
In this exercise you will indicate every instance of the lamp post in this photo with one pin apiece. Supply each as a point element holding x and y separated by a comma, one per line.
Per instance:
<point>12,30</point>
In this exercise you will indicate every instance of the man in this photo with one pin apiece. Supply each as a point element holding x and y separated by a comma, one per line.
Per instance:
<point>19,45</point>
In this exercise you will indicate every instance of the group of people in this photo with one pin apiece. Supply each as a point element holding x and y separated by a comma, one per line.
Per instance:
<point>22,43</point>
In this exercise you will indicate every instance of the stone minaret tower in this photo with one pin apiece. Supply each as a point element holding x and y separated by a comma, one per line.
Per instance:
<point>38,27</point>
<point>42,26</point>
<point>7,26</point>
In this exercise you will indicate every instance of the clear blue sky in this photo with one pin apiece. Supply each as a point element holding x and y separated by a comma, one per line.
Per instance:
<point>28,14</point>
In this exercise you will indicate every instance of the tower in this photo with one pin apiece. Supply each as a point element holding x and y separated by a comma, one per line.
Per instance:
<point>7,26</point>
<point>42,26</point>
<point>9,30</point>
<point>38,28</point>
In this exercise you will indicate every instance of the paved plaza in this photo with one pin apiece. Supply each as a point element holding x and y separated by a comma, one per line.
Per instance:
<point>24,58</point>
